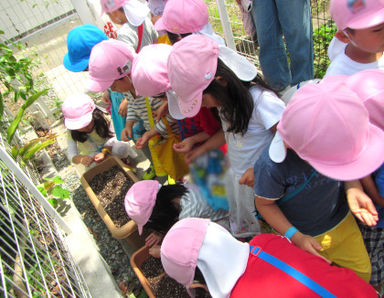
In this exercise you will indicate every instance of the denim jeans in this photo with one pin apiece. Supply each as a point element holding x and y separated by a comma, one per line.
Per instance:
<point>291,19</point>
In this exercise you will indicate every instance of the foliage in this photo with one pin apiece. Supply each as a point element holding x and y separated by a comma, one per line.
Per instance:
<point>53,190</point>
<point>322,36</point>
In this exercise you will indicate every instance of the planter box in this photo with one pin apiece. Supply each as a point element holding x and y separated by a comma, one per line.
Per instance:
<point>138,258</point>
<point>128,233</point>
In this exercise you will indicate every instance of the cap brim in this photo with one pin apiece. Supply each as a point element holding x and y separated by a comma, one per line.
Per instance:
<point>369,20</point>
<point>277,150</point>
<point>75,66</point>
<point>136,12</point>
<point>191,106</point>
<point>96,86</point>
<point>173,105</point>
<point>159,25</point>
<point>74,124</point>
<point>367,161</point>
<point>140,229</point>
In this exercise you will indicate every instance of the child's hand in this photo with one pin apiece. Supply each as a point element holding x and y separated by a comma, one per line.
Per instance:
<point>362,207</point>
<point>123,108</point>
<point>184,146</point>
<point>161,111</point>
<point>153,239</point>
<point>99,157</point>
<point>141,142</point>
<point>126,134</point>
<point>308,243</point>
<point>193,154</point>
<point>155,251</point>
<point>106,98</point>
<point>248,178</point>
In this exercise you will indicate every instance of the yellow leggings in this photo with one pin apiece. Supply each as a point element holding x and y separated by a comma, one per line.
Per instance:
<point>344,246</point>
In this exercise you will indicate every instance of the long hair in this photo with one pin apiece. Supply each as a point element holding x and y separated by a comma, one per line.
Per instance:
<point>165,214</point>
<point>101,126</point>
<point>235,99</point>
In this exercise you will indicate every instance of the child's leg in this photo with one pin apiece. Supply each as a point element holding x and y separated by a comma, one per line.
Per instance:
<point>344,246</point>
<point>374,242</point>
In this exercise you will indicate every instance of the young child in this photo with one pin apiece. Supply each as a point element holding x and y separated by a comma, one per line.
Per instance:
<point>202,73</point>
<point>269,266</point>
<point>158,207</point>
<point>324,134</point>
<point>90,134</point>
<point>207,164</point>
<point>361,25</point>
<point>368,84</point>
<point>110,67</point>
<point>184,17</point>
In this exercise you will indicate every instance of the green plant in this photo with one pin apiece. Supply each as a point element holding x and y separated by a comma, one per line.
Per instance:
<point>322,36</point>
<point>51,188</point>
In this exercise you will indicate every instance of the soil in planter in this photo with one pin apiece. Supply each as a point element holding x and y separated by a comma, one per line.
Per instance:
<point>111,187</point>
<point>162,285</point>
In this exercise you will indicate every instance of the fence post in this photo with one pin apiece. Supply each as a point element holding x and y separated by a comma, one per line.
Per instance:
<point>226,24</point>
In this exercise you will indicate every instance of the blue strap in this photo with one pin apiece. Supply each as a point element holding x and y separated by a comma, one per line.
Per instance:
<point>300,277</point>
<point>291,194</point>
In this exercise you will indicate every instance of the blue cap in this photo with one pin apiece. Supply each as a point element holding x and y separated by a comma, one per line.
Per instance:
<point>80,42</point>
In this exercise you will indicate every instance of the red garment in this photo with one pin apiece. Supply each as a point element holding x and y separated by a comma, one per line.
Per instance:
<point>262,279</point>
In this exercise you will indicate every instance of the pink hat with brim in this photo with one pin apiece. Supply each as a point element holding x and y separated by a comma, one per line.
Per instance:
<point>111,5</point>
<point>180,248</point>
<point>140,200</point>
<point>77,110</point>
<point>327,125</point>
<point>357,14</point>
<point>369,85</point>
<point>110,60</point>
<point>149,70</point>
<point>183,16</point>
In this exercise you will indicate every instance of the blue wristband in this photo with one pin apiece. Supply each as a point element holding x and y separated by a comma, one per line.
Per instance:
<point>290,232</point>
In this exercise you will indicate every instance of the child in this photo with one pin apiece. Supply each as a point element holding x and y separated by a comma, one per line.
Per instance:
<point>158,207</point>
<point>184,17</point>
<point>110,67</point>
<point>150,78</point>
<point>368,84</point>
<point>326,130</point>
<point>202,73</point>
<point>91,137</point>
<point>269,266</point>
<point>361,26</point>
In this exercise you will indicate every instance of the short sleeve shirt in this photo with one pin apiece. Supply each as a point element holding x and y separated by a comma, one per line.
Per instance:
<point>317,208</point>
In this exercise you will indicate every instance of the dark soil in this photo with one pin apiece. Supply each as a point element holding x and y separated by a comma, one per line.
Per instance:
<point>111,187</point>
<point>162,285</point>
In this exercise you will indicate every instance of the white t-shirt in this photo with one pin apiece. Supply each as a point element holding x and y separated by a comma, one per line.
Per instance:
<point>243,151</point>
<point>343,65</point>
<point>336,46</point>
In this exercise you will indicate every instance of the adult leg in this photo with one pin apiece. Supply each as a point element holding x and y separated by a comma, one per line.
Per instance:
<point>296,24</point>
<point>272,55</point>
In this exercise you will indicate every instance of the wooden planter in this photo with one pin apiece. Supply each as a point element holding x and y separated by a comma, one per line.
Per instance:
<point>128,233</point>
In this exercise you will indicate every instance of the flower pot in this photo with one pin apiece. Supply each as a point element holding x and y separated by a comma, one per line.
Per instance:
<point>128,233</point>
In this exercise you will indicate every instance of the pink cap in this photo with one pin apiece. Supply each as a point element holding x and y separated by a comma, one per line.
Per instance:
<point>139,201</point>
<point>369,86</point>
<point>183,16</point>
<point>357,14</point>
<point>180,248</point>
<point>191,68</point>
<point>149,70</point>
<point>111,5</point>
<point>327,125</point>
<point>77,110</point>
<point>110,60</point>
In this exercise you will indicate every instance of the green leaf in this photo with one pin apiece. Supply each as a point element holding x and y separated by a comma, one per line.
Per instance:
<point>15,151</point>
<point>1,106</point>
<point>60,192</point>
<point>28,146</point>
<point>37,148</point>
<point>58,180</point>
<point>53,202</point>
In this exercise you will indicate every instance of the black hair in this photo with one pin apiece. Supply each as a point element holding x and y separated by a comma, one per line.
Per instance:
<point>101,126</point>
<point>234,97</point>
<point>174,37</point>
<point>350,30</point>
<point>165,214</point>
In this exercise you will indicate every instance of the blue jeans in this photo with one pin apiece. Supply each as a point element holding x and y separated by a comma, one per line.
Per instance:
<point>291,19</point>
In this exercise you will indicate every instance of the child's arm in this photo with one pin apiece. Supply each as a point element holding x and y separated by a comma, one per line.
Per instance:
<point>277,220</point>
<point>161,111</point>
<point>126,133</point>
<point>360,204</point>
<point>187,144</point>
<point>213,142</point>
<point>248,178</point>
<point>123,108</point>
<point>99,157</point>
<point>106,97</point>
<point>146,137</point>
<point>372,190</point>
